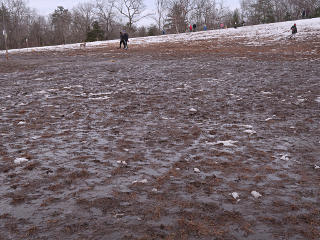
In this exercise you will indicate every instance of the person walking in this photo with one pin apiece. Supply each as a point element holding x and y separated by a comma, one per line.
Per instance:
<point>126,40</point>
<point>122,41</point>
<point>294,30</point>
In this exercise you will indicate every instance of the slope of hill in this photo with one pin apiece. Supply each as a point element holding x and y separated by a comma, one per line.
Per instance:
<point>258,35</point>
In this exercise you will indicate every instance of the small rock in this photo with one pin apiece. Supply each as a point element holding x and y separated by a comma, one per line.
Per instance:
<point>122,162</point>
<point>255,194</point>
<point>196,170</point>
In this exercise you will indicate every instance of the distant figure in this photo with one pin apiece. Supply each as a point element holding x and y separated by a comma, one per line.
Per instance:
<point>163,32</point>
<point>190,27</point>
<point>83,45</point>
<point>205,28</point>
<point>221,25</point>
<point>124,38</point>
<point>294,30</point>
<point>194,27</point>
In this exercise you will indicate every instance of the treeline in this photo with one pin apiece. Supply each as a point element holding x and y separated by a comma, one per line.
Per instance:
<point>103,19</point>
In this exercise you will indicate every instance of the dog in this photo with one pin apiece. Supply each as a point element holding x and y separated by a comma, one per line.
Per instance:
<point>83,45</point>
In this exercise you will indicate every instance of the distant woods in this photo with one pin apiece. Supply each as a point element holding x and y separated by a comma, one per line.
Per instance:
<point>103,19</point>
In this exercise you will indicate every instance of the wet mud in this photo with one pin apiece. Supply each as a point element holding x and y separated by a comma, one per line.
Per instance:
<point>150,143</point>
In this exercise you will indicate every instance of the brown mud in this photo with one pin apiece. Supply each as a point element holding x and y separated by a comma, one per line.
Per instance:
<point>113,137</point>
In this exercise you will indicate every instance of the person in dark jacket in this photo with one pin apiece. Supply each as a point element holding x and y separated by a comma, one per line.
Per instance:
<point>124,38</point>
<point>194,27</point>
<point>294,30</point>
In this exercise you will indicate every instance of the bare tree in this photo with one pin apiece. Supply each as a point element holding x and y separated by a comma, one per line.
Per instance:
<point>105,11</point>
<point>204,12</point>
<point>19,22</point>
<point>83,15</point>
<point>179,14</point>
<point>132,10</point>
<point>161,6</point>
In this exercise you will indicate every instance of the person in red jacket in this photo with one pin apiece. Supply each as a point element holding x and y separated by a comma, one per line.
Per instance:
<point>190,27</point>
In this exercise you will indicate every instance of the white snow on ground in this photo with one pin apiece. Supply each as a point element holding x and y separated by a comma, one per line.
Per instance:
<point>228,143</point>
<point>257,35</point>
<point>256,194</point>
<point>20,160</point>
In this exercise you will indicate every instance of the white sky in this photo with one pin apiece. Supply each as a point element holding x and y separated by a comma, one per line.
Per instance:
<point>45,7</point>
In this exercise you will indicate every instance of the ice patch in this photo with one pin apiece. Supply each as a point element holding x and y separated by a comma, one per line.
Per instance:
<point>99,98</point>
<point>300,100</point>
<point>266,93</point>
<point>140,181</point>
<point>42,92</point>
<point>255,194</point>
<point>285,157</point>
<point>246,126</point>
<point>122,162</point>
<point>196,170</point>
<point>250,131</point>
<point>271,118</point>
<point>228,143</point>
<point>192,110</point>
<point>235,195</point>
<point>20,160</point>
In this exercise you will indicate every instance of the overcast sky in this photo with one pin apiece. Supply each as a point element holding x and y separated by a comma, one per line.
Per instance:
<point>45,7</point>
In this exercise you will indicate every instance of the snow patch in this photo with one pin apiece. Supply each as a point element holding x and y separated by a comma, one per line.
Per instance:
<point>196,170</point>
<point>141,181</point>
<point>256,194</point>
<point>251,132</point>
<point>20,160</point>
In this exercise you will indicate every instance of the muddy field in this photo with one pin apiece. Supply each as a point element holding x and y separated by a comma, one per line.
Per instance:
<point>150,143</point>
